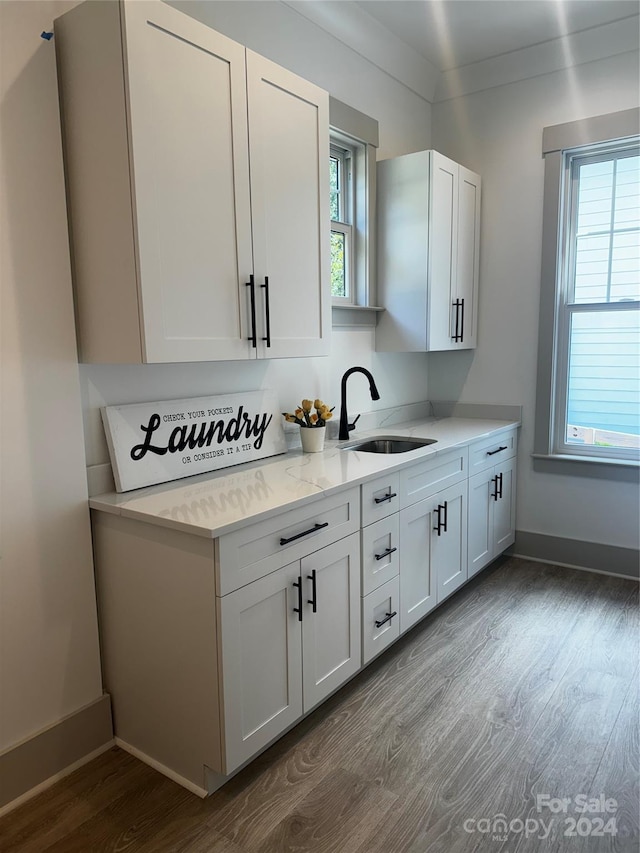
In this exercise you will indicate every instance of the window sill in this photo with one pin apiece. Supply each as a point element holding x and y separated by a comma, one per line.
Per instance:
<point>599,467</point>
<point>354,315</point>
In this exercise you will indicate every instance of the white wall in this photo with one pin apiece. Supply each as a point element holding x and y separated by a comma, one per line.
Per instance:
<point>49,659</point>
<point>284,36</point>
<point>498,133</point>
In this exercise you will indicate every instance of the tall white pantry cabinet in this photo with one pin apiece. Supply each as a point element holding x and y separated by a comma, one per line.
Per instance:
<point>197,181</point>
<point>428,253</point>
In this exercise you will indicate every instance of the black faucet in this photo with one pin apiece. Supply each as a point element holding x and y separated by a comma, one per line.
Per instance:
<point>345,426</point>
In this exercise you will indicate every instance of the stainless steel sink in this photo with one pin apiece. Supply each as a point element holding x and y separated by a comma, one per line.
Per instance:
<point>388,444</point>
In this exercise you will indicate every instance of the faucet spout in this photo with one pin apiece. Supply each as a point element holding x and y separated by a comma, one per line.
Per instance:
<point>345,426</point>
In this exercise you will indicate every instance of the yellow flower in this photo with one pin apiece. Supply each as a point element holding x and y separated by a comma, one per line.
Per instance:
<point>318,404</point>
<point>299,413</point>
<point>290,418</point>
<point>327,415</point>
<point>314,419</point>
<point>307,405</point>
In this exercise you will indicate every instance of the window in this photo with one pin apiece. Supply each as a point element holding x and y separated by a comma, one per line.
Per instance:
<point>593,411</point>
<point>342,206</point>
<point>352,171</point>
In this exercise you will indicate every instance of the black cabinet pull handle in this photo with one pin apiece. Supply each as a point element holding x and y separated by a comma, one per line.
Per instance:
<point>298,609</point>
<point>267,314</point>
<point>386,553</point>
<point>441,526</point>
<point>456,334</point>
<point>494,494</point>
<point>386,497</point>
<point>387,618</point>
<point>493,452</point>
<point>252,294</point>
<point>446,516</point>
<point>304,533</point>
<point>313,601</point>
<point>462,320</point>
<point>499,485</point>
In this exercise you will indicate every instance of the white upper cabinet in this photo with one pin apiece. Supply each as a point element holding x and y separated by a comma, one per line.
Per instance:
<point>165,120</point>
<point>428,253</point>
<point>289,155</point>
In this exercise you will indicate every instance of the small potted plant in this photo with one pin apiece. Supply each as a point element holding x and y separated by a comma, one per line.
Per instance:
<point>312,424</point>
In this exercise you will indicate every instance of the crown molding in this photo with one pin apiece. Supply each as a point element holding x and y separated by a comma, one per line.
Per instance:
<point>363,34</point>
<point>544,58</point>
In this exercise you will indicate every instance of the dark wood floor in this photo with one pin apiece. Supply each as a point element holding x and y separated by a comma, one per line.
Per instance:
<point>523,686</point>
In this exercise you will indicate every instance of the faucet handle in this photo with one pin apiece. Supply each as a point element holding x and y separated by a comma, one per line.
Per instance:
<point>353,425</point>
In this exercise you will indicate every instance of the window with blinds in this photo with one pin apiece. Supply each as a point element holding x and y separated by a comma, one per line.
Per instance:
<point>597,404</point>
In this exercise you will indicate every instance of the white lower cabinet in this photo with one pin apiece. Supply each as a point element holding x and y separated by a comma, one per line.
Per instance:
<point>449,537</point>
<point>433,548</point>
<point>380,564</point>
<point>380,619</point>
<point>330,619</point>
<point>261,656</point>
<point>417,587</point>
<point>212,648</point>
<point>287,641</point>
<point>492,506</point>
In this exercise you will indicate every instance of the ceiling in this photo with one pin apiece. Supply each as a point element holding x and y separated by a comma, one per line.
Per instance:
<point>454,33</point>
<point>442,49</point>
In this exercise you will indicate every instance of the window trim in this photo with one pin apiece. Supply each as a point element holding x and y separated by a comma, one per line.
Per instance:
<point>345,154</point>
<point>611,128</point>
<point>352,128</point>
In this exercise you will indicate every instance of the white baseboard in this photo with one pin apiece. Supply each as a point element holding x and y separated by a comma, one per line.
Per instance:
<point>161,768</point>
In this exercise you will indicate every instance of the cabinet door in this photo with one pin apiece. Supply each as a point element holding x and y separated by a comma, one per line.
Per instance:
<point>449,549</point>
<point>289,154</point>
<point>380,619</point>
<point>468,256</point>
<point>417,585</point>
<point>331,634</point>
<point>481,503</point>
<point>261,650</point>
<point>190,170</point>
<point>443,218</point>
<point>380,552</point>
<point>505,507</point>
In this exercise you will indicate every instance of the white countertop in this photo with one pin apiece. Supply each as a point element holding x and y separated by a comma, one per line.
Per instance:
<point>217,502</point>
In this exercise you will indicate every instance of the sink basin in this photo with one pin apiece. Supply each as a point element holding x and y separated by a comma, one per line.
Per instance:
<point>388,444</point>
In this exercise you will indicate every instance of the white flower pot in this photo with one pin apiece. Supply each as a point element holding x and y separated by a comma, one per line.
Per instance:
<point>312,439</point>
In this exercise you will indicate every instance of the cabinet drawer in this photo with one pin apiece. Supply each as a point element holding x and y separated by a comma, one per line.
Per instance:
<point>491,451</point>
<point>376,608</point>
<point>380,497</point>
<point>425,479</point>
<point>254,551</point>
<point>380,552</point>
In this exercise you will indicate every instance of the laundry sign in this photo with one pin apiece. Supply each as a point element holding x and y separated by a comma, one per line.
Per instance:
<point>153,443</point>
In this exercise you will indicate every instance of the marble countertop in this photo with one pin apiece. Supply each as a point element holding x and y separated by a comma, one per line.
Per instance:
<point>221,501</point>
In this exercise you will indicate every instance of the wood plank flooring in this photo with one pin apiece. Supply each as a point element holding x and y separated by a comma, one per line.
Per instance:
<point>522,686</point>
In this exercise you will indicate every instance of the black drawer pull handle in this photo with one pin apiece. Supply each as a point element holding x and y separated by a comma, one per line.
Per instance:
<point>386,497</point>
<point>386,553</point>
<point>298,609</point>
<point>304,533</point>
<point>492,452</point>
<point>387,618</point>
